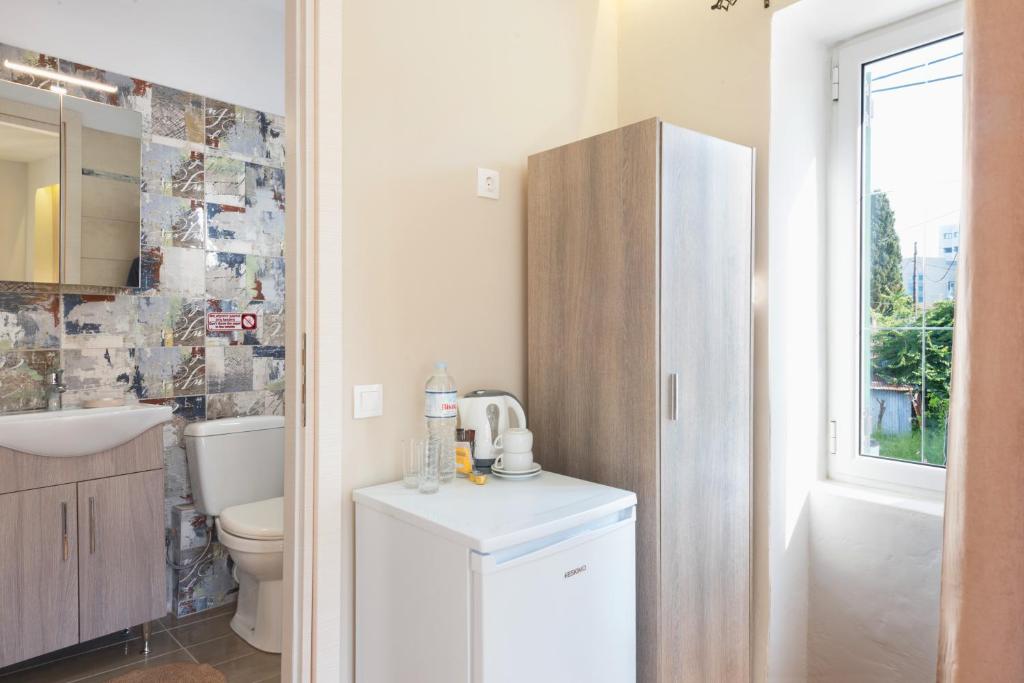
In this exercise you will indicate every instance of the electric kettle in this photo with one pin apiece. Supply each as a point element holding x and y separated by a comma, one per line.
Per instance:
<point>487,412</point>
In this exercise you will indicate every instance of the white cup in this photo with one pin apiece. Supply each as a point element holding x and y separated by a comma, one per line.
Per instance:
<point>514,462</point>
<point>515,440</point>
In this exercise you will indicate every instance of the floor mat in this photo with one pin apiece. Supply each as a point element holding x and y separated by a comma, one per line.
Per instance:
<point>173,673</point>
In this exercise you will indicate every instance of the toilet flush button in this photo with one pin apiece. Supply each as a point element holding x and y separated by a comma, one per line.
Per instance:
<point>367,401</point>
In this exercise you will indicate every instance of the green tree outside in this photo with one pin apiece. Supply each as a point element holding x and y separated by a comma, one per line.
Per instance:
<point>896,343</point>
<point>886,257</point>
<point>896,353</point>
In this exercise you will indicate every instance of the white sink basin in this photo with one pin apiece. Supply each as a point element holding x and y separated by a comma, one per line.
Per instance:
<point>70,433</point>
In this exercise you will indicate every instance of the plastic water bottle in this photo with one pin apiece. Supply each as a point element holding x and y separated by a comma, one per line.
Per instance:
<point>442,405</point>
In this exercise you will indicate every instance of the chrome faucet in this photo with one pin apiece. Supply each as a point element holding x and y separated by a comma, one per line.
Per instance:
<point>55,388</point>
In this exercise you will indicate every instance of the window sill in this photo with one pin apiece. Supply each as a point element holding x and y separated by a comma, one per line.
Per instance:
<point>926,503</point>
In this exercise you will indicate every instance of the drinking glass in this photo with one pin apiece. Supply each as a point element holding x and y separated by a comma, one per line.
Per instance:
<point>412,456</point>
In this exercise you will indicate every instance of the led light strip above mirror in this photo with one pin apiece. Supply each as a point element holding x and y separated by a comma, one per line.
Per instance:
<point>59,77</point>
<point>726,4</point>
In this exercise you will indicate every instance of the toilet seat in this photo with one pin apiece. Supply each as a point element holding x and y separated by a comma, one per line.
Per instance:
<point>259,521</point>
<point>247,545</point>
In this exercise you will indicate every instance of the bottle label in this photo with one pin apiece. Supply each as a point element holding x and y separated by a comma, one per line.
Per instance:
<point>441,404</point>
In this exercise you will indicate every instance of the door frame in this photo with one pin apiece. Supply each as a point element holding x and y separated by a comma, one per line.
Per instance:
<point>314,647</point>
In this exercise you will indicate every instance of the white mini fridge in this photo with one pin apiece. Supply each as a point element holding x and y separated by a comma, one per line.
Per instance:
<point>529,581</point>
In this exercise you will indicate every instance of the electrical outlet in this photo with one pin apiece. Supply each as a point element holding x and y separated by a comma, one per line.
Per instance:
<point>488,183</point>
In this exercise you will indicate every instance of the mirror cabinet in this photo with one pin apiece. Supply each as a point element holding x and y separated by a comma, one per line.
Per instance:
<point>29,184</point>
<point>69,189</point>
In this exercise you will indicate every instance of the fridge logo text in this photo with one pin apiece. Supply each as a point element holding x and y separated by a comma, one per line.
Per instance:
<point>578,570</point>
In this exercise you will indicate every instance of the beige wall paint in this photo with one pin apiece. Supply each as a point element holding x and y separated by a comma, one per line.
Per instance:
<point>430,270</point>
<point>709,71</point>
<point>431,92</point>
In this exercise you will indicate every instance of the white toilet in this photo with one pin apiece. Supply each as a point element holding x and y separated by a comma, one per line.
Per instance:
<point>237,471</point>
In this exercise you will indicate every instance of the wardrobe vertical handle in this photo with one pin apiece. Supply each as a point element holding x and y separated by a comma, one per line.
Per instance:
<point>64,530</point>
<point>673,396</point>
<point>92,525</point>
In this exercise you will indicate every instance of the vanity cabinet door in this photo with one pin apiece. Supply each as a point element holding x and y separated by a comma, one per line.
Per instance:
<point>121,560</point>
<point>38,572</point>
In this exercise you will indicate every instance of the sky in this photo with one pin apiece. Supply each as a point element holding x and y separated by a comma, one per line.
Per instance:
<point>916,146</point>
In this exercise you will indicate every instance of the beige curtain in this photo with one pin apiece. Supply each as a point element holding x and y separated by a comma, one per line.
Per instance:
<point>982,623</point>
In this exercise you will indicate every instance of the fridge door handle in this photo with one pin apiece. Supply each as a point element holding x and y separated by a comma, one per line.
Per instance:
<point>484,564</point>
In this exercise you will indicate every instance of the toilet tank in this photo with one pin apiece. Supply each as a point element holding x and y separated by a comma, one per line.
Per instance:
<point>235,460</point>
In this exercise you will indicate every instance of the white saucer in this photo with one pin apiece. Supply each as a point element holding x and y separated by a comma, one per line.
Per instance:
<point>518,474</point>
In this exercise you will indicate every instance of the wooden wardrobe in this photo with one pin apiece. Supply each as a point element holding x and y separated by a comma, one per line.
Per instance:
<point>639,370</point>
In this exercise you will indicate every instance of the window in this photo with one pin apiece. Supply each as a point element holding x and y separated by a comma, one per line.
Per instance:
<point>894,238</point>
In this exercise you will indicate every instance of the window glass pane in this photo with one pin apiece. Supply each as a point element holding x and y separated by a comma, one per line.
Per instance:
<point>935,397</point>
<point>911,186</point>
<point>892,404</point>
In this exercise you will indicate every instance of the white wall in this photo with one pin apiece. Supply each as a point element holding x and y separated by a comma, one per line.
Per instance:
<point>874,587</point>
<point>229,49</point>
<point>799,130</point>
<point>854,572</point>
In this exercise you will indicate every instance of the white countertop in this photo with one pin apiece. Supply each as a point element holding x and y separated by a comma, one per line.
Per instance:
<point>501,513</point>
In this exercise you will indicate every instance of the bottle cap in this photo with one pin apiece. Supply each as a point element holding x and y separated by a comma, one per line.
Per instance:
<point>440,365</point>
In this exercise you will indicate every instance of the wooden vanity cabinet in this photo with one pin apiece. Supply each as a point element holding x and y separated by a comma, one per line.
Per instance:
<point>38,572</point>
<point>82,550</point>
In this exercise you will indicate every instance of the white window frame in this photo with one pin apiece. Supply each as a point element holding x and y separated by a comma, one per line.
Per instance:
<point>845,463</point>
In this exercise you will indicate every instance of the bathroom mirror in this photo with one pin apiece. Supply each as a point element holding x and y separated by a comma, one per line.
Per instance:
<point>102,163</point>
<point>29,184</point>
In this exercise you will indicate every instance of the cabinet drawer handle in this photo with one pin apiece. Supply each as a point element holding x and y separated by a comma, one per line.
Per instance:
<point>92,525</point>
<point>64,529</point>
<point>673,396</point>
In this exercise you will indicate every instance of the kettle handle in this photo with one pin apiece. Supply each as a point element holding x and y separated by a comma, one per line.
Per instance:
<point>517,408</point>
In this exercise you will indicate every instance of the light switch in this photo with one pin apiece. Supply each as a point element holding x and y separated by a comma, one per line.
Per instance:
<point>367,400</point>
<point>488,183</point>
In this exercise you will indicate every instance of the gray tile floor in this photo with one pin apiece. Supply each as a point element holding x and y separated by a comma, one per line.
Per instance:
<point>205,638</point>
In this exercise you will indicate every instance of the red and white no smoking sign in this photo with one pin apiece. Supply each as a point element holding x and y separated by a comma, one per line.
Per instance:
<point>230,322</point>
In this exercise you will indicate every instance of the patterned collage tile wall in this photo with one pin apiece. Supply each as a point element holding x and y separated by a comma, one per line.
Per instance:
<point>212,222</point>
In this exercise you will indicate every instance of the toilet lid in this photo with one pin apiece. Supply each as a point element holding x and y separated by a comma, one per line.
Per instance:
<point>262,520</point>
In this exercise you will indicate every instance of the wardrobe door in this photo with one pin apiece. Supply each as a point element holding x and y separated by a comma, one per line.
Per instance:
<point>592,310</point>
<point>705,467</point>
<point>38,572</point>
